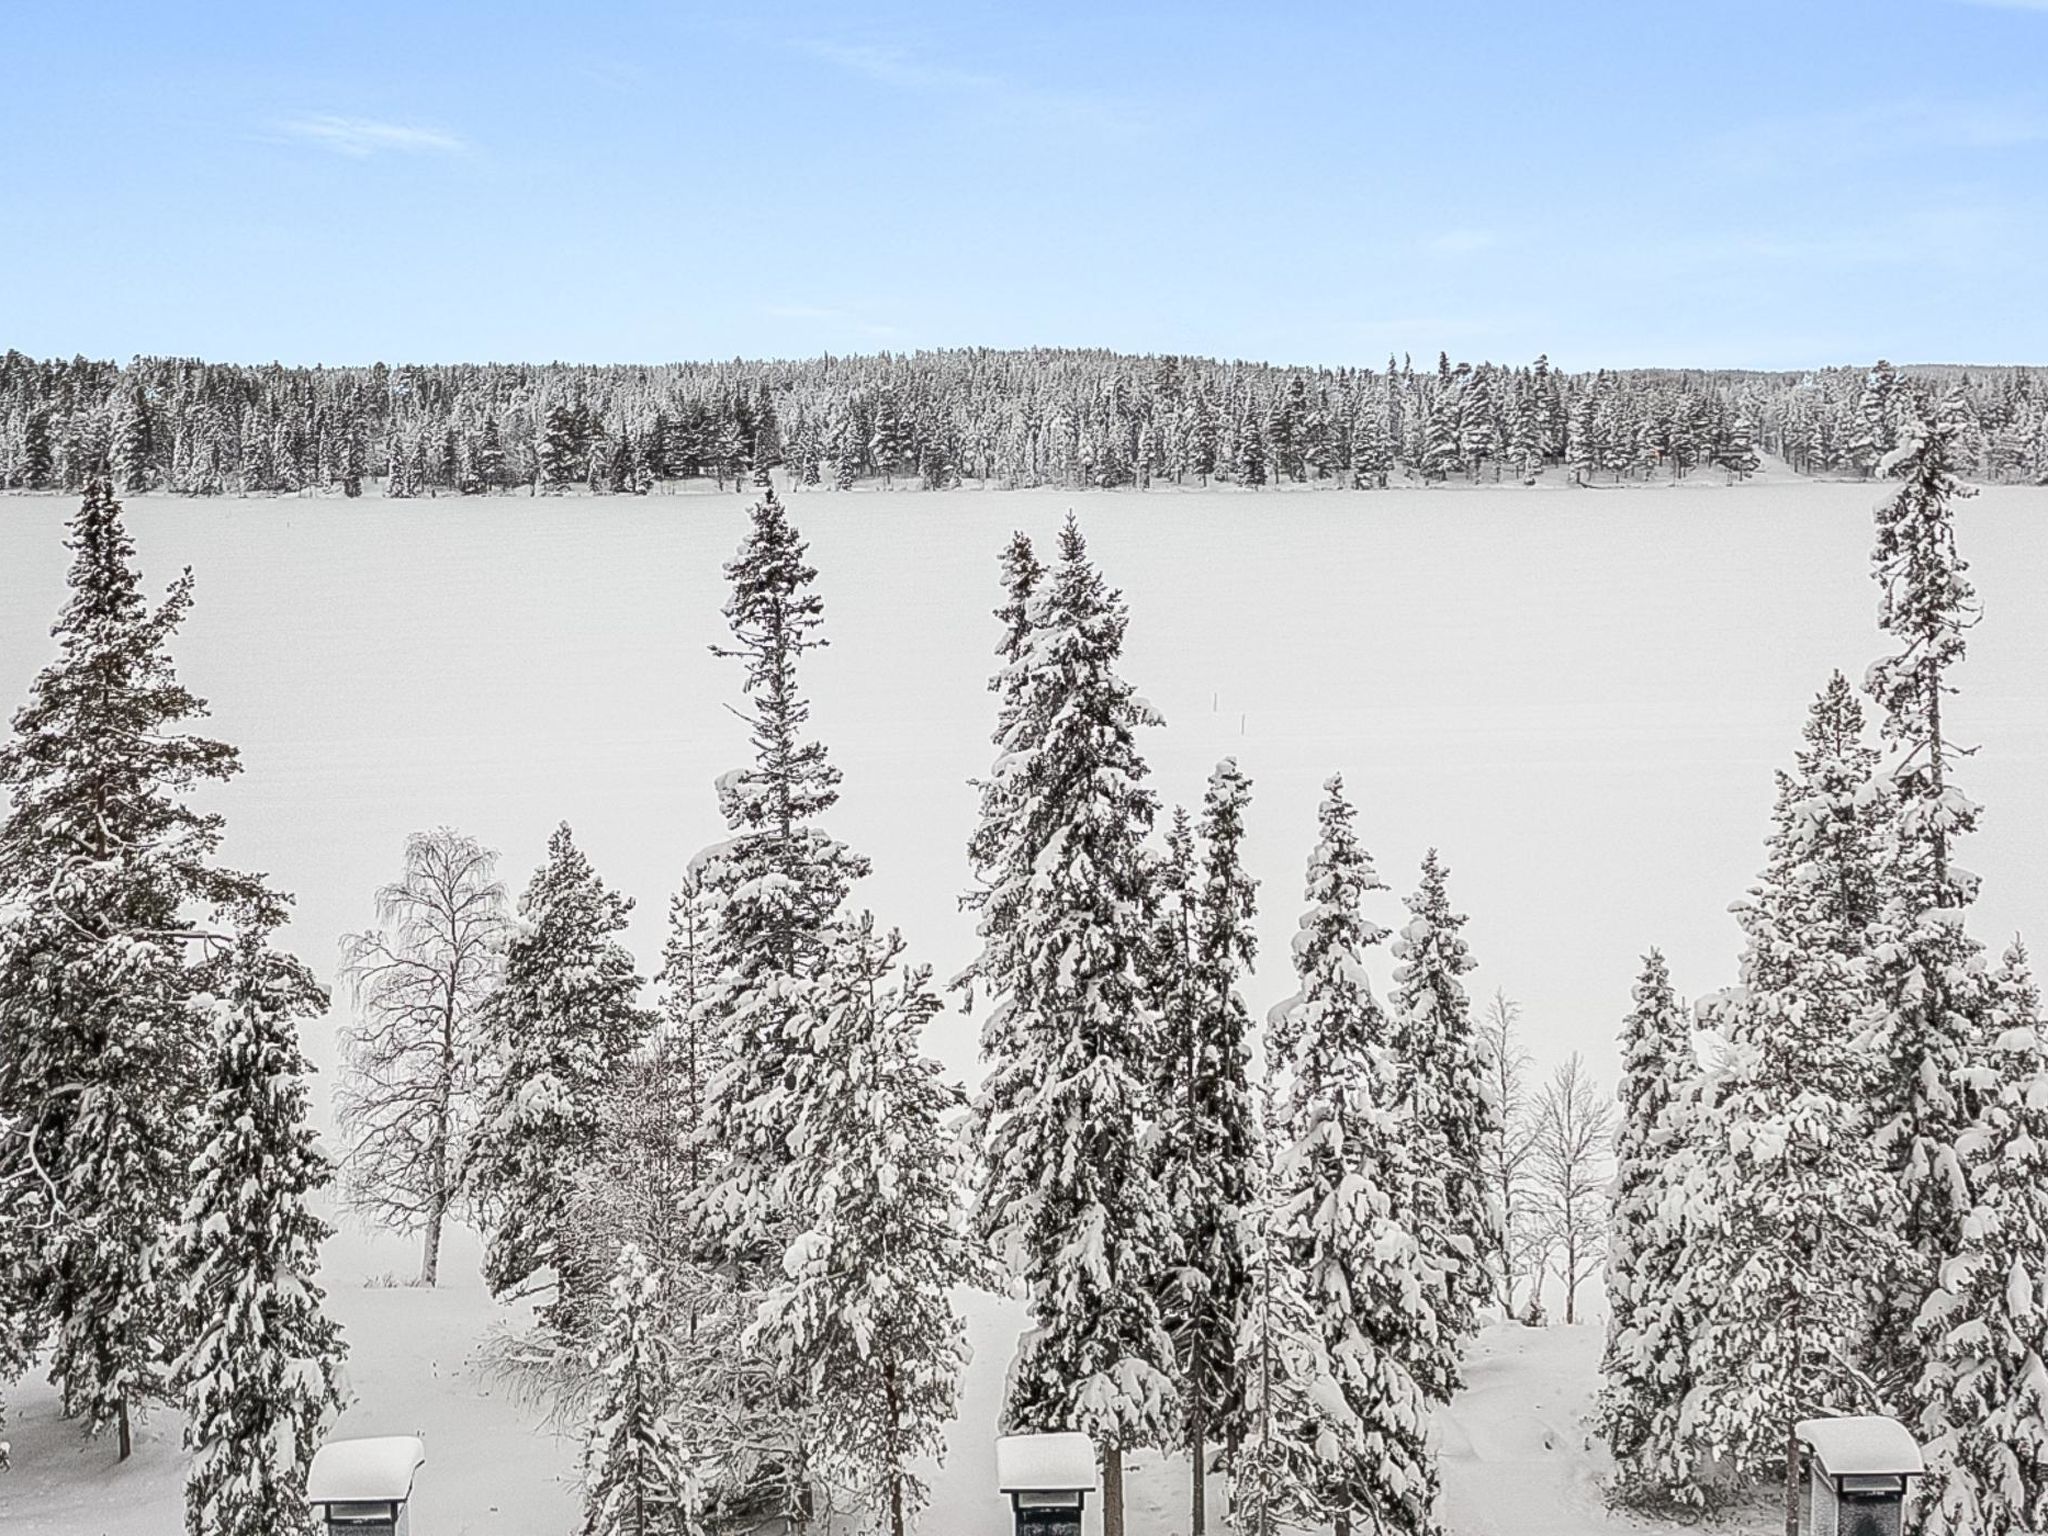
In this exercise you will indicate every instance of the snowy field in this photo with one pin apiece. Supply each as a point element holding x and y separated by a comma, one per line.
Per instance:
<point>1578,696</point>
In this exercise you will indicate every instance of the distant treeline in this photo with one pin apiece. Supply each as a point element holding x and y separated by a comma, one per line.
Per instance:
<point>1075,419</point>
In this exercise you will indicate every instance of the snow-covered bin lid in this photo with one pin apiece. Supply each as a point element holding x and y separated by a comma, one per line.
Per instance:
<point>347,1471</point>
<point>1045,1463</point>
<point>1862,1445</point>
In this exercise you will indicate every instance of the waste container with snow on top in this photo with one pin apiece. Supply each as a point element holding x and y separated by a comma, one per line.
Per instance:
<point>1858,1466</point>
<point>363,1487</point>
<point>1048,1479</point>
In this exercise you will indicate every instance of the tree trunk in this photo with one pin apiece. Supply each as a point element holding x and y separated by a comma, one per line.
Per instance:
<point>430,1257</point>
<point>127,1435</point>
<point>1340,1523</point>
<point>1791,1481</point>
<point>1112,1491</point>
<point>1198,1503</point>
<point>895,1403</point>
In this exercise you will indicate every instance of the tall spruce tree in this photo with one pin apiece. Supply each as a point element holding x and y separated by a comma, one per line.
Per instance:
<point>112,902</point>
<point>1065,1191</point>
<point>1797,1206</point>
<point>558,1033</point>
<point>636,1469</point>
<point>1016,685</point>
<point>1447,1093</point>
<point>1368,1282</point>
<point>861,1317</point>
<point>1929,1008</point>
<point>1275,1472</point>
<point>1206,1130</point>
<point>779,882</point>
<point>261,1375</point>
<point>1984,1395</point>
<point>1645,1373</point>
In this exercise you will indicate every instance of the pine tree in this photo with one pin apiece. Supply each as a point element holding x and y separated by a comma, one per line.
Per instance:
<point>1739,456</point>
<point>1206,1129</point>
<point>1371,454</point>
<point>261,1375</point>
<point>558,450</point>
<point>1446,1090</point>
<point>558,1034</point>
<point>1797,1207</point>
<point>693,1040</point>
<point>1645,1373</point>
<point>1984,1396</point>
<point>778,882</point>
<point>109,892</point>
<point>1929,1006</point>
<point>862,1317</point>
<point>636,1474</point>
<point>1016,686</point>
<point>1344,1171</point>
<point>1065,1193</point>
<point>1275,1471</point>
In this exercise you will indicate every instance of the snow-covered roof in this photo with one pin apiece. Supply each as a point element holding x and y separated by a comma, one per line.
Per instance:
<point>1044,1463</point>
<point>1862,1445</point>
<point>380,1468</point>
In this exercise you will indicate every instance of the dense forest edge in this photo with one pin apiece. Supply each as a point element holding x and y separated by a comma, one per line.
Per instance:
<point>1072,419</point>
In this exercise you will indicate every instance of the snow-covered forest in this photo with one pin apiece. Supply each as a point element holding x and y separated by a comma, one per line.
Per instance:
<point>1068,419</point>
<point>741,1213</point>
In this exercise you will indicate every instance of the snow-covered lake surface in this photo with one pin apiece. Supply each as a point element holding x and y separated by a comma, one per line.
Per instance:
<point>1578,696</point>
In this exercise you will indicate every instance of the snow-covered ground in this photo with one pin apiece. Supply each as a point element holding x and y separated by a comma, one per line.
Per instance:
<point>1579,696</point>
<point>1518,1456</point>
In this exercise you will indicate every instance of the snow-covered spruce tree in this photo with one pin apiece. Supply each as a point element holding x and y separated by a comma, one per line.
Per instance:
<point>1367,1280</point>
<point>109,889</point>
<point>407,1098</point>
<point>558,1034</point>
<point>14,1236</point>
<point>1065,1192</point>
<point>1929,1001</point>
<point>1275,1469</point>
<point>861,1319</point>
<point>636,1470</point>
<point>1645,1373</point>
<point>778,883</point>
<point>1788,1204</point>
<point>1205,1112</point>
<point>1016,686</point>
<point>1984,1421</point>
<point>1447,1092</point>
<point>260,1376</point>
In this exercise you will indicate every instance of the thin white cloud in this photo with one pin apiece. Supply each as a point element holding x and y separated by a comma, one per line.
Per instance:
<point>904,70</point>
<point>361,137</point>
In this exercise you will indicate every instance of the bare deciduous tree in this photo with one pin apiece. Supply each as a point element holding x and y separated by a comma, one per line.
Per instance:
<point>1510,1156</point>
<point>1573,1147</point>
<point>418,979</point>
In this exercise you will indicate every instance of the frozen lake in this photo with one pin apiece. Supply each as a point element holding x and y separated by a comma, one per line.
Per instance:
<point>1578,696</point>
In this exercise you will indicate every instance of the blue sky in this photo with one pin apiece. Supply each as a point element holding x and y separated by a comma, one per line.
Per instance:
<point>1771,184</point>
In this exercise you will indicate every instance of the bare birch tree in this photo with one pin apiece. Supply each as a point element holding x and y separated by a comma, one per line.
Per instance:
<point>407,1084</point>
<point>1574,1141</point>
<point>1510,1156</point>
